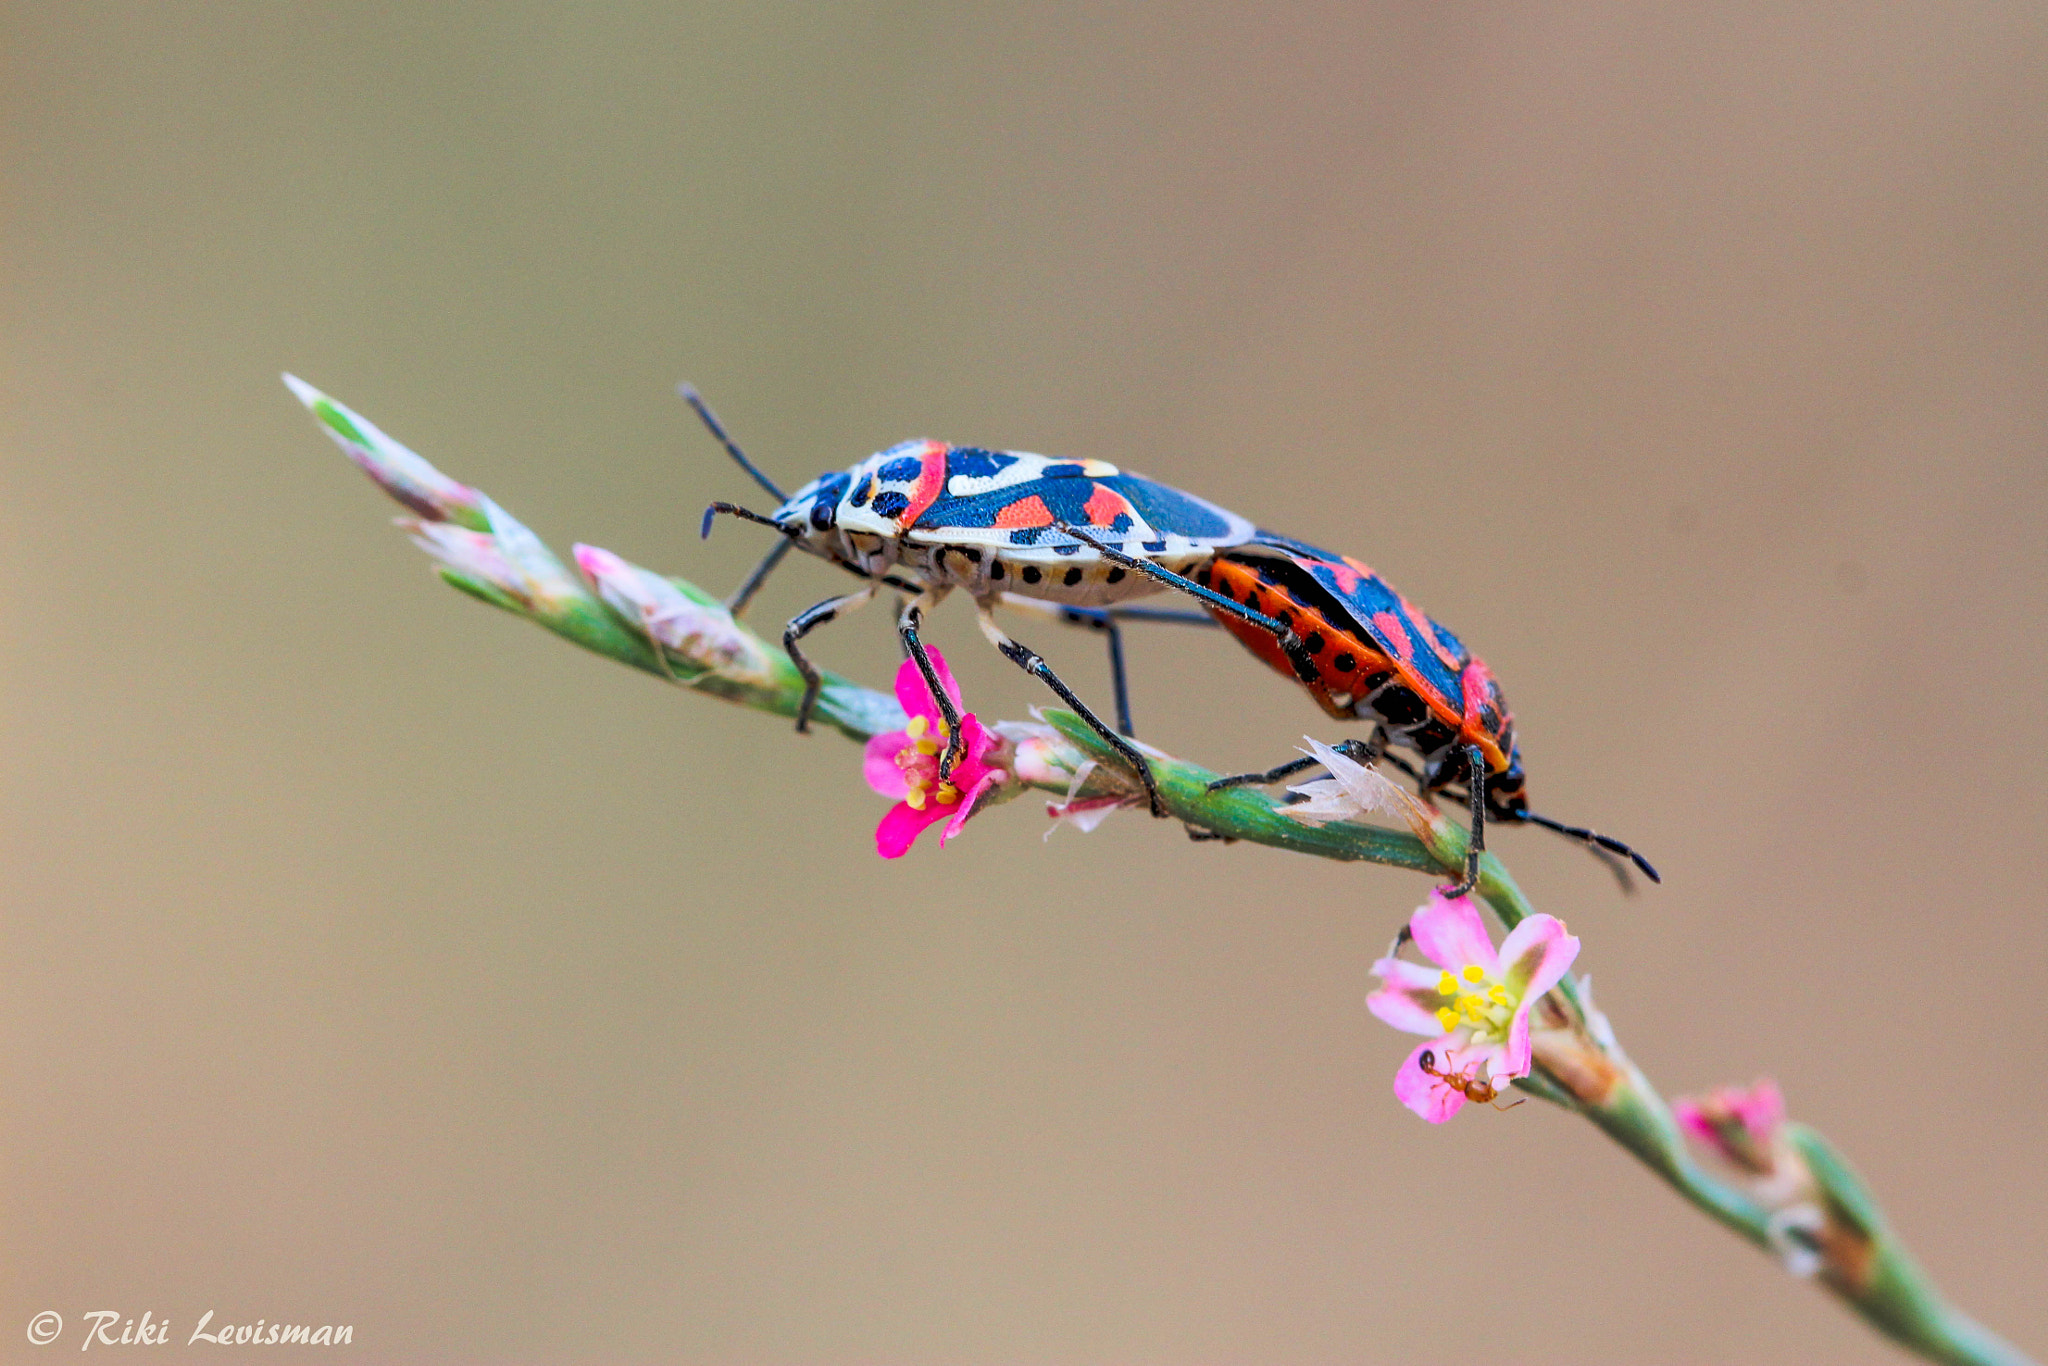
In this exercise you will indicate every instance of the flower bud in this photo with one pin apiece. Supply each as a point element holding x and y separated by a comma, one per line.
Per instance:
<point>402,474</point>
<point>700,634</point>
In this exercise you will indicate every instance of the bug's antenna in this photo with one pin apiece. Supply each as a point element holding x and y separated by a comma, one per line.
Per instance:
<point>1596,840</point>
<point>710,420</point>
<point>747,514</point>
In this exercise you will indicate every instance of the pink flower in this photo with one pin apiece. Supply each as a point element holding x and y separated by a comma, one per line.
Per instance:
<point>1739,1123</point>
<point>904,764</point>
<point>1473,1005</point>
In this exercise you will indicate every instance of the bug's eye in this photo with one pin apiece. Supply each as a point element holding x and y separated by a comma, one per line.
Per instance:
<point>825,503</point>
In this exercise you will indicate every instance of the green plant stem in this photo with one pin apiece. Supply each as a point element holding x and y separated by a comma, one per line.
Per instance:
<point>1880,1282</point>
<point>1898,1301</point>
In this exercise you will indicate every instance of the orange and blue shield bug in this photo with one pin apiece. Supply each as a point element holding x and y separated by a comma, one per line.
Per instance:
<point>1367,653</point>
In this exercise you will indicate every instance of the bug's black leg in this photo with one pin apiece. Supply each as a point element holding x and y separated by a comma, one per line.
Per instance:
<point>1166,614</point>
<point>1117,679</point>
<point>907,626</point>
<point>1476,843</point>
<point>800,626</point>
<point>1100,619</point>
<point>1271,775</point>
<point>1108,621</point>
<point>1596,840</point>
<point>1200,836</point>
<point>1031,662</point>
<point>1367,752</point>
<point>1290,643</point>
<point>744,594</point>
<point>1096,619</point>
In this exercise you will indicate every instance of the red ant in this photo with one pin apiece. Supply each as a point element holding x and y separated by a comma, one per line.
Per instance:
<point>1469,1081</point>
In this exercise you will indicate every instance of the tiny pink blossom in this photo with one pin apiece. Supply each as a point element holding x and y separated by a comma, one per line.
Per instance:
<point>1473,1006</point>
<point>904,764</point>
<point>1740,1123</point>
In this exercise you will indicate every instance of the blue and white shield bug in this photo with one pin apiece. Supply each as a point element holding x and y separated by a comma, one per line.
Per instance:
<point>925,518</point>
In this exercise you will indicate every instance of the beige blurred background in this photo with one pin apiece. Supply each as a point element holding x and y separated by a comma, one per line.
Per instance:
<point>371,957</point>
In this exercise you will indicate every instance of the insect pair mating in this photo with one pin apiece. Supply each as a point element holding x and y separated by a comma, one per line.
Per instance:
<point>1077,539</point>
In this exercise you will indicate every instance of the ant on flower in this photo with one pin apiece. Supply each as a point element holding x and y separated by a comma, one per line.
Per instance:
<point>1469,1081</point>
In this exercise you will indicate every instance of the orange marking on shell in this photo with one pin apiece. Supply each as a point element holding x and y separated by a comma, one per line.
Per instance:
<point>1104,506</point>
<point>1025,512</point>
<point>931,481</point>
<point>1477,682</point>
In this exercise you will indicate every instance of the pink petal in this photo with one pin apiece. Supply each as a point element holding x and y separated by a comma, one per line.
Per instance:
<point>901,827</point>
<point>1536,955</point>
<point>880,767</point>
<point>1451,934</point>
<point>1694,1121</point>
<point>1409,1000</point>
<point>912,692</point>
<point>975,741</point>
<point>1761,1108</point>
<point>966,807</point>
<point>1428,1096</point>
<point>1516,1055</point>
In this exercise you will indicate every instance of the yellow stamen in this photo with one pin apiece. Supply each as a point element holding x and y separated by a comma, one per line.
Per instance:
<point>917,727</point>
<point>1499,993</point>
<point>1447,985</point>
<point>925,747</point>
<point>914,799</point>
<point>1474,1007</point>
<point>947,794</point>
<point>1448,1018</point>
<point>1474,973</point>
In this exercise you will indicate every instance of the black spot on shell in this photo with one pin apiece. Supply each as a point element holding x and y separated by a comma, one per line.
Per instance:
<point>1072,576</point>
<point>1116,575</point>
<point>1314,641</point>
<point>1031,574</point>
<point>891,504</point>
<point>1345,662</point>
<point>997,570</point>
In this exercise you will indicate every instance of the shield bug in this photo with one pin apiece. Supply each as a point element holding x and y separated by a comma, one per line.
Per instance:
<point>1365,652</point>
<point>927,518</point>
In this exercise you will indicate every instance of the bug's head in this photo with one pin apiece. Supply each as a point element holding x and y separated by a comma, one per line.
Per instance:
<point>814,508</point>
